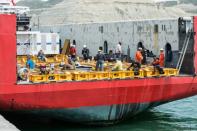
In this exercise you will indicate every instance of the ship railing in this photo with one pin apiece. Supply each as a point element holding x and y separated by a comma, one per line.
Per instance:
<point>95,75</point>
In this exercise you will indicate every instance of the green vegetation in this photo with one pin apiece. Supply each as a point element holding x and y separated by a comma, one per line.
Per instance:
<point>189,1</point>
<point>36,4</point>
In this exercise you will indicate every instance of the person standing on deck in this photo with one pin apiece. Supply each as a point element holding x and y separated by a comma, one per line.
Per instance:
<point>30,64</point>
<point>138,56</point>
<point>100,58</point>
<point>85,53</point>
<point>118,50</point>
<point>161,58</point>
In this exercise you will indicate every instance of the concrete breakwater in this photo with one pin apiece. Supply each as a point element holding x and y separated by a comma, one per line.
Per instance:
<point>6,125</point>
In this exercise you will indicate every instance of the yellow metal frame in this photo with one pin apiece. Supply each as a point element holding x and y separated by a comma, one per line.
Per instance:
<point>38,78</point>
<point>52,77</point>
<point>65,77</point>
<point>127,74</point>
<point>80,76</point>
<point>93,76</point>
<point>103,75</point>
<point>116,75</point>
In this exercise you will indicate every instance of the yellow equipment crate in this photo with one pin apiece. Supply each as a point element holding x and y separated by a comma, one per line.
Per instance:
<point>50,60</point>
<point>40,63</point>
<point>52,77</point>
<point>65,77</point>
<point>127,74</point>
<point>38,78</point>
<point>21,60</point>
<point>141,74</point>
<point>103,75</point>
<point>60,58</point>
<point>34,59</point>
<point>165,72</point>
<point>172,72</point>
<point>150,73</point>
<point>80,76</point>
<point>116,75</point>
<point>93,75</point>
<point>22,57</point>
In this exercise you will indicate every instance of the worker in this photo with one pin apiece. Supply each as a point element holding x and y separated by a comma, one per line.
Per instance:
<point>118,50</point>
<point>144,55</point>
<point>68,65</point>
<point>156,66</point>
<point>73,51</point>
<point>41,56</point>
<point>118,66</point>
<point>100,58</point>
<point>43,70</point>
<point>136,67</point>
<point>111,56</point>
<point>161,57</point>
<point>30,64</point>
<point>138,55</point>
<point>22,73</point>
<point>85,53</point>
<point>52,66</point>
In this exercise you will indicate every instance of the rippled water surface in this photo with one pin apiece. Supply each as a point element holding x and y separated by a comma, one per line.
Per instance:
<point>176,116</point>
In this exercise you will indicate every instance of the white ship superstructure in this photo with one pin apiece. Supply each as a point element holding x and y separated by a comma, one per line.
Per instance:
<point>9,7</point>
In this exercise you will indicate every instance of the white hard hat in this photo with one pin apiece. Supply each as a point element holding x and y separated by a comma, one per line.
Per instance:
<point>72,45</point>
<point>140,48</point>
<point>161,49</point>
<point>84,46</point>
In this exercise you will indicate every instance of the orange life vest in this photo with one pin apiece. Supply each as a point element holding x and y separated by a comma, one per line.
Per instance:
<point>138,57</point>
<point>161,59</point>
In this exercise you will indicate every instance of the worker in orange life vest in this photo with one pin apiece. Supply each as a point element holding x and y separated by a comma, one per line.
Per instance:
<point>161,58</point>
<point>156,65</point>
<point>138,55</point>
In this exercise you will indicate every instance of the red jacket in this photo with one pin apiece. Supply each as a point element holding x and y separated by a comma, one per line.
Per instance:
<point>72,51</point>
<point>155,62</point>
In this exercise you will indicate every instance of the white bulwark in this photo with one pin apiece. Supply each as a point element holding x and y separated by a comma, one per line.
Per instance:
<point>31,42</point>
<point>153,34</point>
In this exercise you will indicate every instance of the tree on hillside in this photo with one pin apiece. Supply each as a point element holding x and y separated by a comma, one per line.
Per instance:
<point>36,4</point>
<point>189,1</point>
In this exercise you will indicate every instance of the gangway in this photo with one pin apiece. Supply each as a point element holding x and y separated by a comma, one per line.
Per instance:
<point>184,49</point>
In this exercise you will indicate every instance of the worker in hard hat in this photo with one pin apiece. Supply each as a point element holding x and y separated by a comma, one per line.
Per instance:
<point>161,57</point>
<point>73,51</point>
<point>85,53</point>
<point>138,55</point>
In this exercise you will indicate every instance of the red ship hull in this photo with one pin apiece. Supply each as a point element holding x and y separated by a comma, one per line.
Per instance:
<point>96,93</point>
<point>92,100</point>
